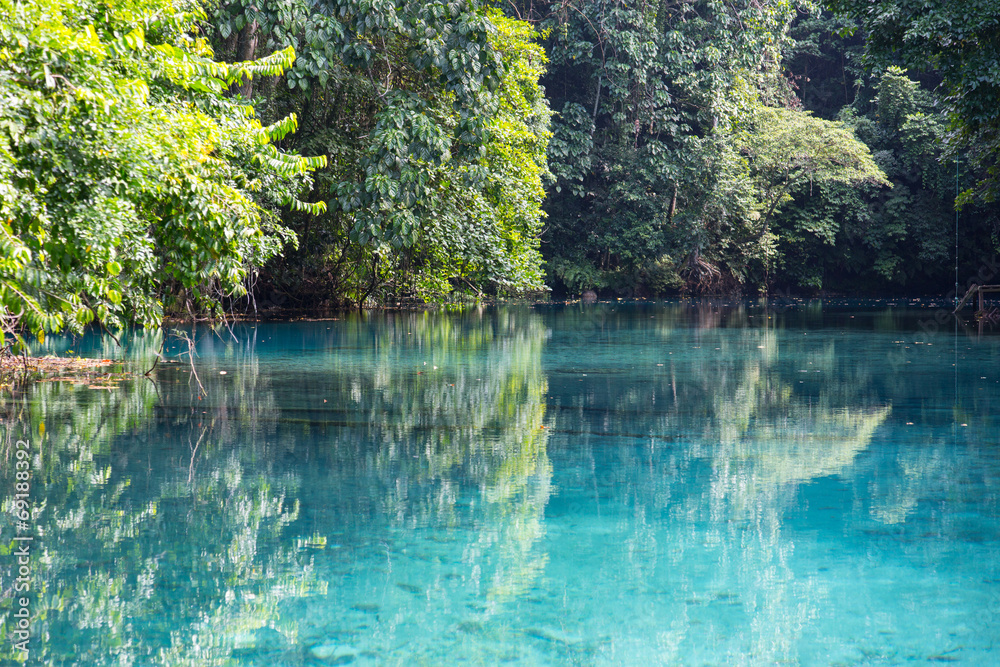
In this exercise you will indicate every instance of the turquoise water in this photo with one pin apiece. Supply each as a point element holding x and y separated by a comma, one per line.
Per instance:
<point>601,484</point>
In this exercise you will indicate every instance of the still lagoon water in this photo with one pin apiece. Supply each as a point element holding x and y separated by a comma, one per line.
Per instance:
<point>679,484</point>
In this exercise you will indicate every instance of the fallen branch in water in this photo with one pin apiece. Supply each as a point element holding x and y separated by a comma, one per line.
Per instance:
<point>15,369</point>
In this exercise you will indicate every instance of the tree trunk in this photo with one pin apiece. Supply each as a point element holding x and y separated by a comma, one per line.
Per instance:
<point>597,99</point>
<point>247,51</point>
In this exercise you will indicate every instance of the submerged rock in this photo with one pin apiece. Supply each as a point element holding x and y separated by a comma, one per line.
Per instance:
<point>471,627</point>
<point>334,654</point>
<point>554,635</point>
<point>409,588</point>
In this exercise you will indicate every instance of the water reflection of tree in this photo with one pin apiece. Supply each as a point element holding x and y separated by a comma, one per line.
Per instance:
<point>732,426</point>
<point>770,441</point>
<point>443,446</point>
<point>140,558</point>
<point>383,481</point>
<point>173,525</point>
<point>732,385</point>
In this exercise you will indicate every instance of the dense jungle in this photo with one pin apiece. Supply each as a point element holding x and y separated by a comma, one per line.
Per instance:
<point>190,158</point>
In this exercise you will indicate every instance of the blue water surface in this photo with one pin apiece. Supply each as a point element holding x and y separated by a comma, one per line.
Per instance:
<point>688,483</point>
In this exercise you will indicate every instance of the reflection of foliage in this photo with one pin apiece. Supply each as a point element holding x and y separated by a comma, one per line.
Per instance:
<point>729,437</point>
<point>749,472</point>
<point>474,413</point>
<point>173,534</point>
<point>87,420</point>
<point>380,488</point>
<point>139,550</point>
<point>774,437</point>
<point>759,427</point>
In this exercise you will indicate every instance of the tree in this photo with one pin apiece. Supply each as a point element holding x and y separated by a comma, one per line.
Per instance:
<point>788,149</point>
<point>129,181</point>
<point>483,228</point>
<point>647,95</point>
<point>823,62</point>
<point>960,41</point>
<point>789,152</point>
<point>843,237</point>
<point>436,130</point>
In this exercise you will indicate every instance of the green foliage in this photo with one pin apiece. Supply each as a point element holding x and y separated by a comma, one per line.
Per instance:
<point>824,62</point>
<point>436,130</point>
<point>484,228</point>
<point>649,96</point>
<point>127,177</point>
<point>135,175</point>
<point>680,136</point>
<point>788,150</point>
<point>851,238</point>
<point>908,232</point>
<point>960,41</point>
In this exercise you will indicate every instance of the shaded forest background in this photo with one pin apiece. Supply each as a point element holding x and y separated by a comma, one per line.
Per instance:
<point>664,176</point>
<point>175,156</point>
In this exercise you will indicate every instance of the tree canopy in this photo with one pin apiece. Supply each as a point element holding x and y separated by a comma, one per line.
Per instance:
<point>151,151</point>
<point>660,107</point>
<point>128,179</point>
<point>960,42</point>
<point>436,130</point>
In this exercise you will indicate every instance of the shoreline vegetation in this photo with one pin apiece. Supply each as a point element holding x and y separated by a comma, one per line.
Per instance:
<point>163,160</point>
<point>101,373</point>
